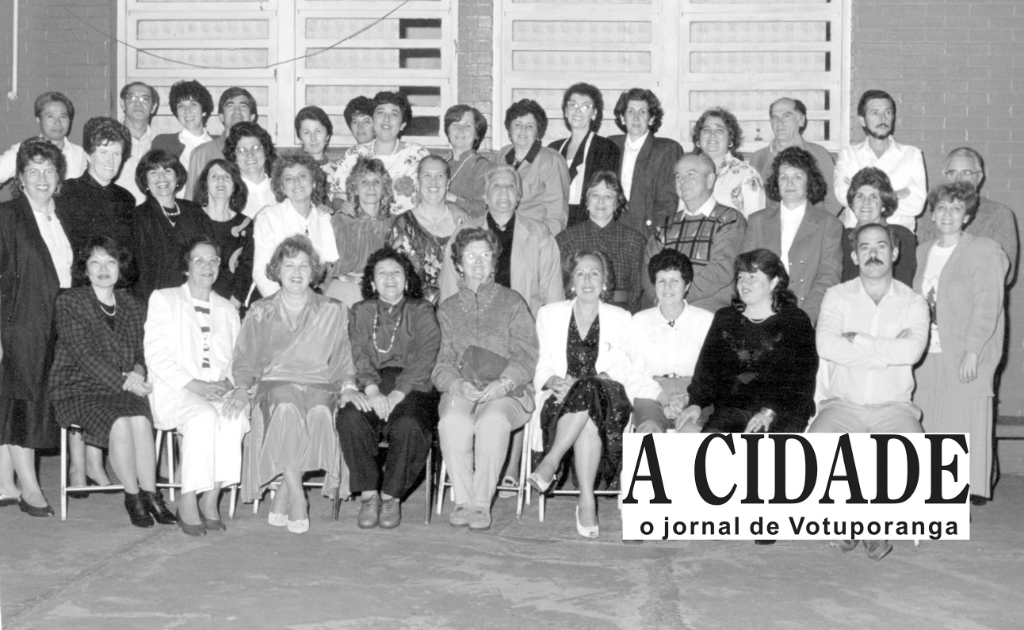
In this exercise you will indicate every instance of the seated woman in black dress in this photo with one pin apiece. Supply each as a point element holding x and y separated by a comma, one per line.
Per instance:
<point>395,339</point>
<point>223,195</point>
<point>759,362</point>
<point>98,378</point>
<point>584,361</point>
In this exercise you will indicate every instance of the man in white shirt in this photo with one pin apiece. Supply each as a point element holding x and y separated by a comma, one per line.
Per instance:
<point>903,163</point>
<point>139,103</point>
<point>55,114</point>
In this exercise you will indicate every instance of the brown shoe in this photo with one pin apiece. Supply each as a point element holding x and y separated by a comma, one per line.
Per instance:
<point>369,513</point>
<point>391,513</point>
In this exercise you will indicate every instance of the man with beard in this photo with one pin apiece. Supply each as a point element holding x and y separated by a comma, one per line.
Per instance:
<point>235,105</point>
<point>871,332</point>
<point>903,163</point>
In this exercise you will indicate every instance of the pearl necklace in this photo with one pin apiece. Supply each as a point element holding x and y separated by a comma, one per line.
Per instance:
<point>110,313</point>
<point>433,221</point>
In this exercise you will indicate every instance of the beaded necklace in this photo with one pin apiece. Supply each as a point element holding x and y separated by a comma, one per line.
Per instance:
<point>391,344</point>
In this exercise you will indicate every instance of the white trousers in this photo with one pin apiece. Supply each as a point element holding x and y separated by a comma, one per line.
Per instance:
<point>211,448</point>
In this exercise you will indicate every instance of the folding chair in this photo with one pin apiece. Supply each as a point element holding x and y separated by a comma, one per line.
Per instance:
<point>171,485</point>
<point>521,489</point>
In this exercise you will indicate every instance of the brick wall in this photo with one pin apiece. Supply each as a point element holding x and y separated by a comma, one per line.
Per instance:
<point>476,58</point>
<point>56,52</point>
<point>957,72</point>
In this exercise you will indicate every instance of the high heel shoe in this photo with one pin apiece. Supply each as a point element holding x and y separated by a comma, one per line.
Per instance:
<point>81,494</point>
<point>154,504</point>
<point>539,484</point>
<point>586,532</point>
<point>213,525</point>
<point>191,530</point>
<point>137,512</point>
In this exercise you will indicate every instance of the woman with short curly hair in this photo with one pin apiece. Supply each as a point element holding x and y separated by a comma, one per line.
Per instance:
<point>191,104</point>
<point>718,134</point>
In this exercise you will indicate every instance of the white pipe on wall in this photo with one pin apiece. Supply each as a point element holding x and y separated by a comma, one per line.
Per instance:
<point>13,94</point>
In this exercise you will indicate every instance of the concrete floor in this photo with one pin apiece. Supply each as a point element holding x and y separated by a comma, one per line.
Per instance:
<point>97,571</point>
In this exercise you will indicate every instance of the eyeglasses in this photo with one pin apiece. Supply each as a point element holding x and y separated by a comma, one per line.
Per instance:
<point>145,99</point>
<point>473,256</point>
<point>586,108</point>
<point>212,261</point>
<point>958,175</point>
<point>256,150</point>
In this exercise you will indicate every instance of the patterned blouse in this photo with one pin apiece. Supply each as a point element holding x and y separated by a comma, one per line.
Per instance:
<point>401,165</point>
<point>739,186</point>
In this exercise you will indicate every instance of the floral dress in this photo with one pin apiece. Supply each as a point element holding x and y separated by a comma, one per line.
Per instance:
<point>739,186</point>
<point>401,166</point>
<point>424,249</point>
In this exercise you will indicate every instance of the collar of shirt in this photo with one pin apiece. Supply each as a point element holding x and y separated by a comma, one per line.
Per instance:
<point>890,292</point>
<point>501,229</point>
<point>149,134</point>
<point>531,155</point>
<point>189,140</point>
<point>705,209</point>
<point>890,146</point>
<point>774,149</point>
<point>91,181</point>
<point>389,312</point>
<point>632,145</point>
<point>795,215</point>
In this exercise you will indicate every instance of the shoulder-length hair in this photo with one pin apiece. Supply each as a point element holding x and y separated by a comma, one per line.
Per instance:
<point>527,107</point>
<point>607,270</point>
<point>102,130</point>
<point>291,247</point>
<point>240,195</point>
<point>471,235</point>
<point>594,94</point>
<point>289,159</point>
<point>123,256</point>
<point>769,264</point>
<point>964,192</point>
<point>654,109</point>
<point>455,114</point>
<point>877,179</point>
<point>155,159</point>
<point>34,148</point>
<point>611,180</point>
<point>247,129</point>
<point>363,166</point>
<point>733,125</point>
<point>413,284</point>
<point>795,157</point>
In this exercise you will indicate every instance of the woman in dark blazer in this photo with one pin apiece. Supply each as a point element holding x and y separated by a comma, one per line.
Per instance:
<point>585,152</point>
<point>98,379</point>
<point>163,224</point>
<point>35,266</point>
<point>647,164</point>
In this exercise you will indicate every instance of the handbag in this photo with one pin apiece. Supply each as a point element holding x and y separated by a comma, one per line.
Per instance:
<point>480,366</point>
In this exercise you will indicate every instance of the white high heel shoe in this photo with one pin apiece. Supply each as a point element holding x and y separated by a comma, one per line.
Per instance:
<point>586,532</point>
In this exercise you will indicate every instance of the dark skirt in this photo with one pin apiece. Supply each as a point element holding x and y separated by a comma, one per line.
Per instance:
<point>735,420</point>
<point>606,403</point>
<point>27,423</point>
<point>96,413</point>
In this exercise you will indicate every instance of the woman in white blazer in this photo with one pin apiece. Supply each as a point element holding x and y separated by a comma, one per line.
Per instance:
<point>581,402</point>
<point>190,337</point>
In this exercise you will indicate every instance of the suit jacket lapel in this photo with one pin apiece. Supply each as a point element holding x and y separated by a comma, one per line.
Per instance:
<point>773,230</point>
<point>35,237</point>
<point>807,228</point>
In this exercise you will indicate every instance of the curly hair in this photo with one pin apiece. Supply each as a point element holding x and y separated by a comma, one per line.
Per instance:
<point>765,261</point>
<point>611,180</point>
<point>413,284</point>
<point>591,92</point>
<point>654,109</point>
<point>963,192</point>
<point>471,235</point>
<point>185,253</point>
<point>312,112</point>
<point>670,260</point>
<point>120,253</point>
<point>46,98</point>
<point>37,148</point>
<point>102,130</point>
<point>251,130</point>
<point>795,157</point>
<point>360,105</point>
<point>877,179</point>
<point>191,91</point>
<point>289,159</point>
<point>398,100</point>
<point>157,159</point>
<point>733,125</point>
<point>362,167</point>
<point>239,194</point>
<point>607,270</point>
<point>290,248</point>
<point>527,107</point>
<point>455,114</point>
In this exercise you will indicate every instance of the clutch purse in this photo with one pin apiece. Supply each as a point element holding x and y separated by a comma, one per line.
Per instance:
<point>481,366</point>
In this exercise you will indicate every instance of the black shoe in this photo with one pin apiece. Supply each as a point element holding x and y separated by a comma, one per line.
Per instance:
<point>137,511</point>
<point>81,494</point>
<point>977,499</point>
<point>191,530</point>
<point>764,542</point>
<point>213,525</point>
<point>32,510</point>
<point>154,504</point>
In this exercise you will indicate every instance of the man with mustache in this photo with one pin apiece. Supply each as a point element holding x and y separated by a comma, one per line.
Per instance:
<point>903,163</point>
<point>871,332</point>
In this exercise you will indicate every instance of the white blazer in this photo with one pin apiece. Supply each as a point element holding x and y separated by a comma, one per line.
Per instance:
<point>174,348</point>
<point>553,332</point>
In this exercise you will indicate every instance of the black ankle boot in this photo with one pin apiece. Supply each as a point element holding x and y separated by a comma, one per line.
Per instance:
<point>154,503</point>
<point>137,510</point>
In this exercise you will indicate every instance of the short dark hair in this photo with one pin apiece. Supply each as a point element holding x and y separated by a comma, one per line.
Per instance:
<point>312,112</point>
<point>733,125</point>
<point>798,105</point>
<point>877,179</point>
<point>39,148</point>
<point>159,158</point>
<point>455,114</point>
<point>231,93</point>
<point>53,97</point>
<point>639,94</point>
<point>191,91</point>
<point>434,158</point>
<point>358,105</point>
<point>795,157</point>
<point>288,159</point>
<point>527,107</point>
<point>365,165</point>
<point>607,268</point>
<point>291,247</point>
<point>670,259</point>
<point>869,95</point>
<point>248,129</point>
<point>102,130</point>
<point>413,284</point>
<point>894,241</point>
<point>152,92</point>
<point>122,254</point>
<point>964,192</point>
<point>471,235</point>
<point>611,180</point>
<point>397,99</point>
<point>588,90</point>
<point>765,261</point>
<point>240,194</point>
<point>185,253</point>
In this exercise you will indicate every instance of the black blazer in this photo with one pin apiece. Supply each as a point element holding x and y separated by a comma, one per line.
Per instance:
<point>158,244</point>
<point>652,195</point>
<point>603,156</point>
